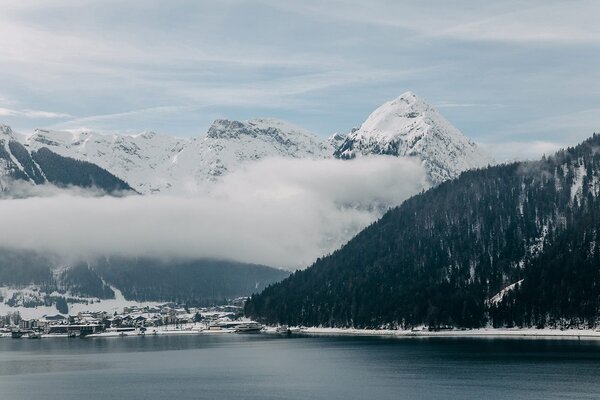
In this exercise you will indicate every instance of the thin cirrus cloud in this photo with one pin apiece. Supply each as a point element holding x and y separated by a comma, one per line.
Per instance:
<point>276,94</point>
<point>556,22</point>
<point>549,22</point>
<point>174,66</point>
<point>8,112</point>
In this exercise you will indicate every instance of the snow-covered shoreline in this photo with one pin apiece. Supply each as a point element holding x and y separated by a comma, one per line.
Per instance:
<point>482,332</point>
<point>318,331</point>
<point>201,329</point>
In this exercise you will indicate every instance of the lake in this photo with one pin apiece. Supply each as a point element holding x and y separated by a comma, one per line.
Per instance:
<point>230,366</point>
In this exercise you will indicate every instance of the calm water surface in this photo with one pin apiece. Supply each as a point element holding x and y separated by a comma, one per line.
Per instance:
<point>266,367</point>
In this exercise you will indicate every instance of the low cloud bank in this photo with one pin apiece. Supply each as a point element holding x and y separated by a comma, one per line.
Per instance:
<point>526,150</point>
<point>278,212</point>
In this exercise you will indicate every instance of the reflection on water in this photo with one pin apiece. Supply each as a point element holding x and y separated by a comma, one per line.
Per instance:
<point>267,367</point>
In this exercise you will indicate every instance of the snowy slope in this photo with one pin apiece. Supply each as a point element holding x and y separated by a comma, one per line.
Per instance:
<point>18,165</point>
<point>230,144</point>
<point>138,159</point>
<point>407,126</point>
<point>7,162</point>
<point>15,161</point>
<point>155,163</point>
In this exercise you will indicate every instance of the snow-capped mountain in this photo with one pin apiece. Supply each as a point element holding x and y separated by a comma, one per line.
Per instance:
<point>230,144</point>
<point>154,163</point>
<point>140,159</point>
<point>15,161</point>
<point>18,164</point>
<point>408,126</point>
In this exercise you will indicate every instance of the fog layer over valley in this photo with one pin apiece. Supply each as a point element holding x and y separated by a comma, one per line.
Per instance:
<point>214,217</point>
<point>277,212</point>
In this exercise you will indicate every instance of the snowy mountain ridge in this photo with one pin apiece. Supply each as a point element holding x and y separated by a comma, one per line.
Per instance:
<point>155,163</point>
<point>138,159</point>
<point>230,144</point>
<point>151,163</point>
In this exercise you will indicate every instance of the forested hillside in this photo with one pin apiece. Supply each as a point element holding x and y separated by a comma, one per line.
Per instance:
<point>18,164</point>
<point>64,171</point>
<point>202,281</point>
<point>29,279</point>
<point>507,245</point>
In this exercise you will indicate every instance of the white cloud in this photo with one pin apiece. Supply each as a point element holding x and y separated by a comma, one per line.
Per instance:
<point>10,112</point>
<point>523,150</point>
<point>277,212</point>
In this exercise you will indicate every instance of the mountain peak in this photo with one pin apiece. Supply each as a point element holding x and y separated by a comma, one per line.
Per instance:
<point>395,116</point>
<point>337,139</point>
<point>408,97</point>
<point>231,129</point>
<point>146,135</point>
<point>224,128</point>
<point>6,130</point>
<point>407,101</point>
<point>408,126</point>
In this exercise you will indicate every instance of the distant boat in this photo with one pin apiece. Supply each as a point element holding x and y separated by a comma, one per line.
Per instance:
<point>17,334</point>
<point>250,327</point>
<point>216,329</point>
<point>34,335</point>
<point>283,330</point>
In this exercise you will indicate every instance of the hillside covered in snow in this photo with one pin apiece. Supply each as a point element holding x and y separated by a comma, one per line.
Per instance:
<point>409,127</point>
<point>19,166</point>
<point>151,163</point>
<point>154,163</point>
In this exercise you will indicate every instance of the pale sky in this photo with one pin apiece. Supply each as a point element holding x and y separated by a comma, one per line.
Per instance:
<point>519,77</point>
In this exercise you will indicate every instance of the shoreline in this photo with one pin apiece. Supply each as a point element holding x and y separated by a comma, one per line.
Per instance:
<point>547,333</point>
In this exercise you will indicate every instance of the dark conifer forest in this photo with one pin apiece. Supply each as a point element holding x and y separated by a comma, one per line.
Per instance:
<point>44,166</point>
<point>194,282</point>
<point>508,245</point>
<point>65,171</point>
<point>184,281</point>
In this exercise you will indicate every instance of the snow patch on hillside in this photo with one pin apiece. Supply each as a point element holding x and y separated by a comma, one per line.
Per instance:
<point>32,294</point>
<point>577,188</point>
<point>497,298</point>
